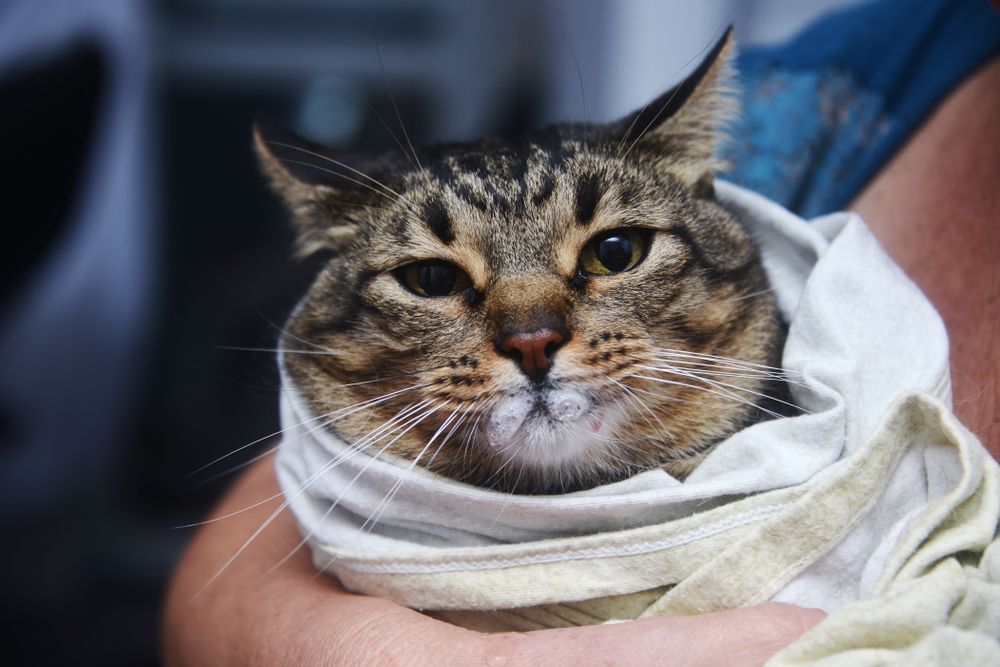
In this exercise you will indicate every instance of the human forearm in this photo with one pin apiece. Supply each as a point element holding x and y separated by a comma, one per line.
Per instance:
<point>250,616</point>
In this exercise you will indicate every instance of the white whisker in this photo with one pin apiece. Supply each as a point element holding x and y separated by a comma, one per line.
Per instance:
<point>720,384</point>
<point>392,99</point>
<point>215,519</point>
<point>239,466</point>
<point>729,370</point>
<point>288,499</point>
<point>722,393</point>
<point>753,294</point>
<point>256,458</point>
<point>359,406</point>
<point>388,196</point>
<point>712,357</point>
<point>339,164</point>
<point>238,348</point>
<point>380,508</point>
<point>397,422</point>
<point>637,401</point>
<point>665,104</point>
<point>288,334</point>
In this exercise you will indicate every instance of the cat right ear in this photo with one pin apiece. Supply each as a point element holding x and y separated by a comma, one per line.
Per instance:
<point>322,191</point>
<point>681,129</point>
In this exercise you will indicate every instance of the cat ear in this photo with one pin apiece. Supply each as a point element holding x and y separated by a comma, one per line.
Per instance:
<point>680,130</point>
<point>327,196</point>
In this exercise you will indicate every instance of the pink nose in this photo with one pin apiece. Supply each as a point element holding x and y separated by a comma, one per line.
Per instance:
<point>533,350</point>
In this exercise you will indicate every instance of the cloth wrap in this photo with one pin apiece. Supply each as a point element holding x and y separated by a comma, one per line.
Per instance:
<point>875,504</point>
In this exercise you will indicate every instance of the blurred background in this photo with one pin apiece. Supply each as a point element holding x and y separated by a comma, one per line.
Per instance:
<point>141,243</point>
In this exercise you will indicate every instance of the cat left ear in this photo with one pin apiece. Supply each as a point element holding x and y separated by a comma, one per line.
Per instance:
<point>681,129</point>
<point>322,191</point>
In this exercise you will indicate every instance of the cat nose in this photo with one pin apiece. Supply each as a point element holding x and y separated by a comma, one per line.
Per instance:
<point>533,350</point>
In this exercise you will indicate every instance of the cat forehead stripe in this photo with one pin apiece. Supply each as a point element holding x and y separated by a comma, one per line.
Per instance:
<point>436,216</point>
<point>588,195</point>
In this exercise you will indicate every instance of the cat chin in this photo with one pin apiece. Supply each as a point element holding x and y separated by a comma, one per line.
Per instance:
<point>551,429</point>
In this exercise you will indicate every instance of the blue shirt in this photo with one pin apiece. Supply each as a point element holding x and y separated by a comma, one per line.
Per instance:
<point>824,112</point>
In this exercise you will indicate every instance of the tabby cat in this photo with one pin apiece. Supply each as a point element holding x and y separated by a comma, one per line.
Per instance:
<point>540,314</point>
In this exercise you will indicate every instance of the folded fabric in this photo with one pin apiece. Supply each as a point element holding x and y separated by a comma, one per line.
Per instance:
<point>874,503</point>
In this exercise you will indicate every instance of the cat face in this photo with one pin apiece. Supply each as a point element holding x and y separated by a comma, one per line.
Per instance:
<point>502,312</point>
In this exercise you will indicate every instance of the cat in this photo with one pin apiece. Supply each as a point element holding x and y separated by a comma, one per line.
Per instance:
<point>539,314</point>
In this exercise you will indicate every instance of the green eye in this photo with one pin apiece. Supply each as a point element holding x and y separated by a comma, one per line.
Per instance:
<point>433,278</point>
<point>613,252</point>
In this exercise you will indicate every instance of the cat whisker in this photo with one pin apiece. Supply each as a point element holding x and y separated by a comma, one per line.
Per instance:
<point>380,508</point>
<point>240,466</point>
<point>668,352</point>
<point>467,443</point>
<point>397,422</point>
<point>722,393</point>
<point>458,423</point>
<point>399,483</point>
<point>640,390</point>
<point>651,122</point>
<point>719,370</point>
<point>270,519</point>
<point>347,410</point>
<point>286,333</point>
<point>285,350</point>
<point>718,383</point>
<point>510,495</point>
<point>251,444</point>
<point>726,364</point>
<point>240,348</point>
<point>362,444</point>
<point>388,196</point>
<point>271,450</point>
<point>637,401</point>
<point>216,519</point>
<point>339,164</point>
<point>579,73</point>
<point>253,536</point>
<point>715,362</point>
<point>655,118</point>
<point>371,107</point>
<point>399,117</point>
<point>753,294</point>
<point>494,479</point>
<point>736,372</point>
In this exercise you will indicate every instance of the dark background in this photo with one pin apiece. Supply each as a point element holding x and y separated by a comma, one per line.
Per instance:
<point>140,241</point>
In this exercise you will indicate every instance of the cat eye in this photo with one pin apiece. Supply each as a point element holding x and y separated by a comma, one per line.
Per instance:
<point>613,252</point>
<point>433,278</point>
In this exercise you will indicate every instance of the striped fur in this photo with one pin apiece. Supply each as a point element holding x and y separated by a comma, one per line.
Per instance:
<point>515,214</point>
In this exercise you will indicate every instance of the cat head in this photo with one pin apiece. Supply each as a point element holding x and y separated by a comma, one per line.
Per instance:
<point>504,312</point>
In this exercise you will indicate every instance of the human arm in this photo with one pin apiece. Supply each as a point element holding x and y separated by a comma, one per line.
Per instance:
<point>249,616</point>
<point>936,209</point>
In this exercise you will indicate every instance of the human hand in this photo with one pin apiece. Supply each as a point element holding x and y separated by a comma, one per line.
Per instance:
<point>289,616</point>
<point>734,638</point>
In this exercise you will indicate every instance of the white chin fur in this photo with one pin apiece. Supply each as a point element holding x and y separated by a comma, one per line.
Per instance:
<point>549,429</point>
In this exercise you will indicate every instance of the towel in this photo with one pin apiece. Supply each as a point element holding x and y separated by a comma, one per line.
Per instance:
<point>856,506</point>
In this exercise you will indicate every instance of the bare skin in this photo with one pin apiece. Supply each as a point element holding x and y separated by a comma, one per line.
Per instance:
<point>935,207</point>
<point>291,616</point>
